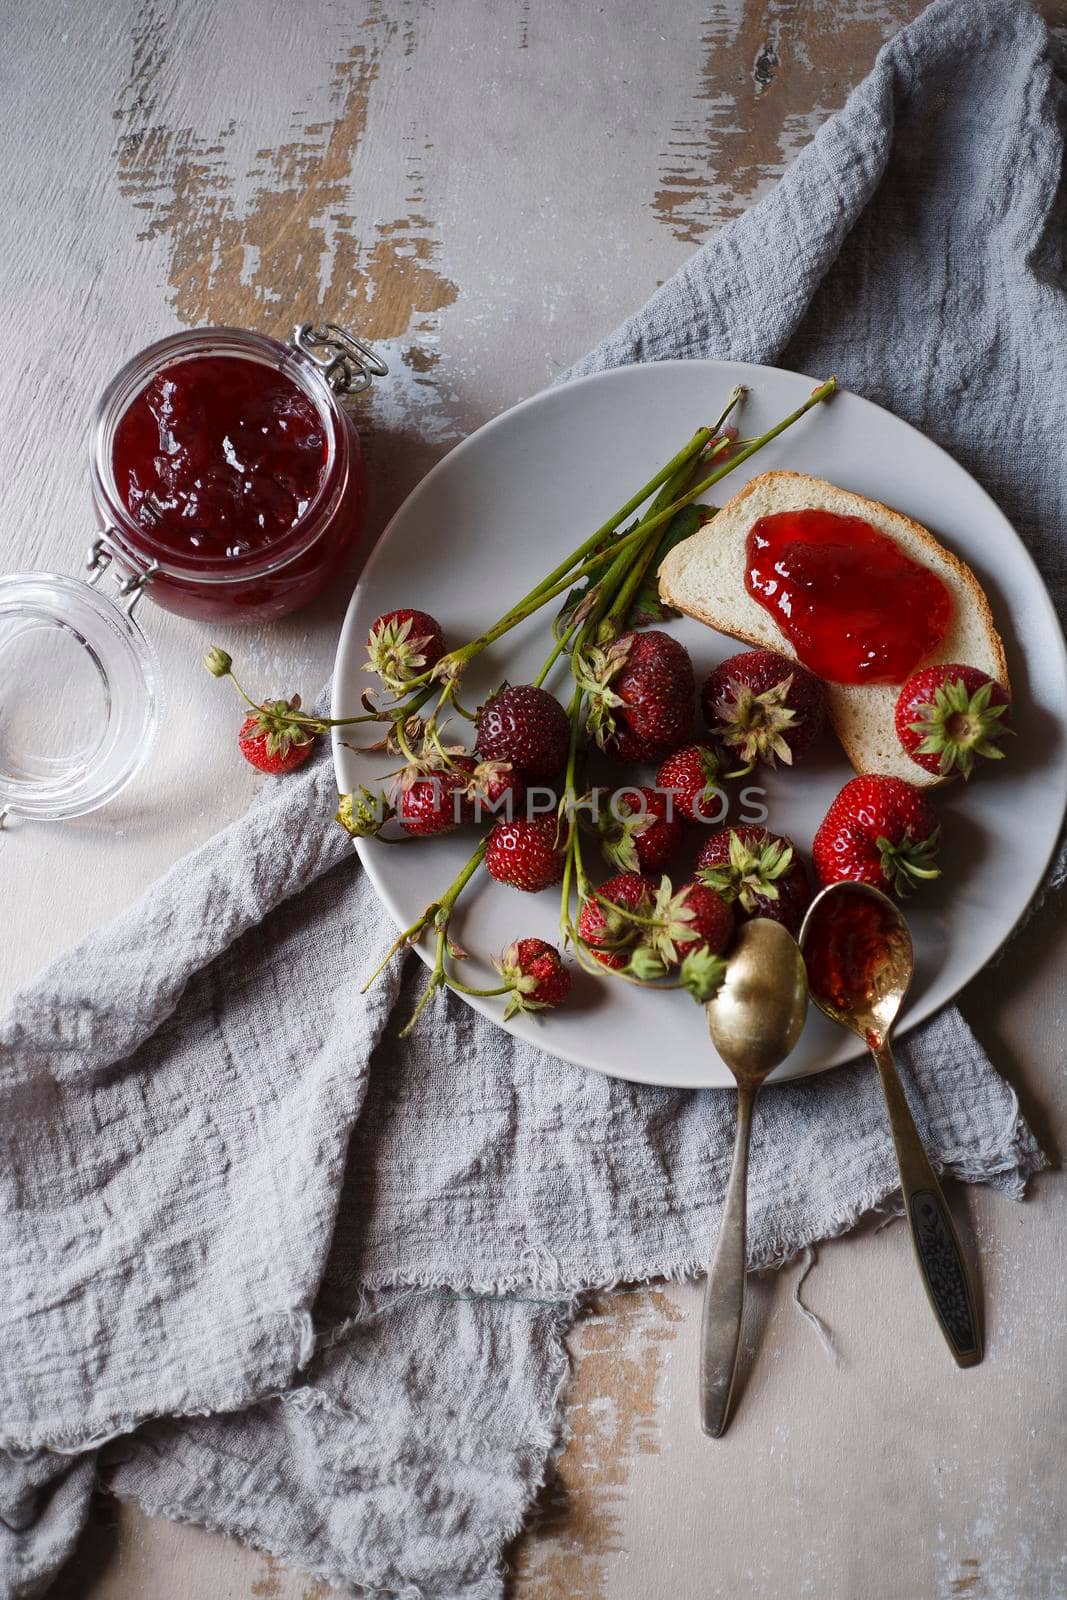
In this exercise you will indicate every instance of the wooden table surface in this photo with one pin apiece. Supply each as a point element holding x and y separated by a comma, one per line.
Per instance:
<point>484,189</point>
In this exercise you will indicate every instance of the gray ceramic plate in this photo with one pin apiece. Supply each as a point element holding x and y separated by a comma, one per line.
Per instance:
<point>513,499</point>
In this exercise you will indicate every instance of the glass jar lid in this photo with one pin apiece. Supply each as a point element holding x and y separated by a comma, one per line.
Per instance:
<point>79,693</point>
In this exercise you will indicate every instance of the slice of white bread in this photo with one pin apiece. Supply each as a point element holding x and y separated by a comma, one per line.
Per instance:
<point>704,577</point>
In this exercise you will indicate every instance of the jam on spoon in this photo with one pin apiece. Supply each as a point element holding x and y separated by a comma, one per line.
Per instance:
<point>853,945</point>
<point>854,606</point>
<point>219,457</point>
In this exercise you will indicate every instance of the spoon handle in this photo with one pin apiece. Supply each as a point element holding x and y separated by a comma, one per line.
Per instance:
<point>724,1292</point>
<point>933,1232</point>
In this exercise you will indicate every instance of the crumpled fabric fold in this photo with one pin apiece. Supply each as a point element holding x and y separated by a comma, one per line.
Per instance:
<point>265,1267</point>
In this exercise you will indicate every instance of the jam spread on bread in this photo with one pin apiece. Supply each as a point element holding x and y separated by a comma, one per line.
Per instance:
<point>854,606</point>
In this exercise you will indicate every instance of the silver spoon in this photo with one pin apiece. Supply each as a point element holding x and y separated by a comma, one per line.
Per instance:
<point>754,1021</point>
<point>865,937</point>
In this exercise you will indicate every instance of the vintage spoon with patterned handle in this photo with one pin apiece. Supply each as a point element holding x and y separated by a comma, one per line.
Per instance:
<point>754,1021</point>
<point>860,961</point>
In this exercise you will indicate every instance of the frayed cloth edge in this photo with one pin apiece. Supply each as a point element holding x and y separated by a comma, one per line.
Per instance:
<point>549,1442</point>
<point>549,1282</point>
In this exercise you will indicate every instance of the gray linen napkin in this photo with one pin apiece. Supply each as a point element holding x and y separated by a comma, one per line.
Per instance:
<point>266,1268</point>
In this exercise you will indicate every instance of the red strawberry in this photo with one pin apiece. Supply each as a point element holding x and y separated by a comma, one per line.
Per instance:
<point>758,872</point>
<point>402,645</point>
<point>525,853</point>
<point>764,707</point>
<point>880,831</point>
<point>687,929</point>
<point>693,776</point>
<point>685,920</point>
<point>698,925</point>
<point>526,727</point>
<point>708,916</point>
<point>636,832</point>
<point>610,936</point>
<point>948,714</point>
<point>535,974</point>
<point>434,800</point>
<point>640,692</point>
<point>272,740</point>
<point>495,791</point>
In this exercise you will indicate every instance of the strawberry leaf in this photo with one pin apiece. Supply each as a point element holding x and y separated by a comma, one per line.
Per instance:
<point>647,607</point>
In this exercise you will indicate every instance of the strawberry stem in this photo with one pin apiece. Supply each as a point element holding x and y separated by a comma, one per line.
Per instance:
<point>572,853</point>
<point>481,994</point>
<point>314,725</point>
<point>590,555</point>
<point>676,485</point>
<point>624,548</point>
<point>596,540</point>
<point>636,570</point>
<point>553,586</point>
<point>434,911</point>
<point>439,913</point>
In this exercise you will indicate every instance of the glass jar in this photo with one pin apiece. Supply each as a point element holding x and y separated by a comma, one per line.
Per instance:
<point>288,567</point>
<point>79,680</point>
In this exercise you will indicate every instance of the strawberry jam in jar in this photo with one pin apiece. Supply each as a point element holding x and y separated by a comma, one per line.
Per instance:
<point>227,477</point>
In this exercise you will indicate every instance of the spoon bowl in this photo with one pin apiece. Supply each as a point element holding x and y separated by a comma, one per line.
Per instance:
<point>758,1014</point>
<point>754,1021</point>
<point>860,957</point>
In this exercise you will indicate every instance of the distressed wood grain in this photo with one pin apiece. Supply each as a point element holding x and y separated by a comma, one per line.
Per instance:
<point>620,1350</point>
<point>772,72</point>
<point>485,189</point>
<point>296,241</point>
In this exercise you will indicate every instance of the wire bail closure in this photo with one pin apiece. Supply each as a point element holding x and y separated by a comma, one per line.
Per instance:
<point>102,552</point>
<point>345,363</point>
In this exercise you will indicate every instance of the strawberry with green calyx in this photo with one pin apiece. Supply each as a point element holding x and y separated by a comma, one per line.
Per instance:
<point>403,646</point>
<point>613,918</point>
<point>693,776</point>
<point>764,707</point>
<point>640,693</point>
<point>879,830</point>
<point>948,714</point>
<point>432,798</point>
<point>643,930</point>
<point>758,872</point>
<point>691,918</point>
<point>534,976</point>
<point>274,738</point>
<point>637,831</point>
<point>494,791</point>
<point>277,735</point>
<point>644,965</point>
<point>701,974</point>
<point>219,662</point>
<point>363,814</point>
